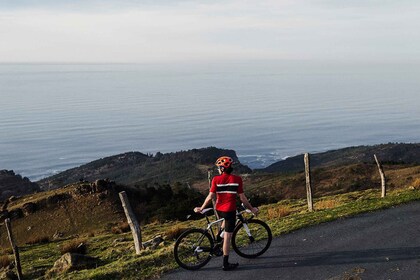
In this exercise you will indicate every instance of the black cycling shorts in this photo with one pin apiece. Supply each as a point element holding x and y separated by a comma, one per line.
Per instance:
<point>230,219</point>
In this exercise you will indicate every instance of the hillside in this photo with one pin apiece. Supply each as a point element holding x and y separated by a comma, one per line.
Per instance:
<point>189,168</point>
<point>269,188</point>
<point>64,212</point>
<point>388,153</point>
<point>84,207</point>
<point>92,207</point>
<point>137,169</point>
<point>12,184</point>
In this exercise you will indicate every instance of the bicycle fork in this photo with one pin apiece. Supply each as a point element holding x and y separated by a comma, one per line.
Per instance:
<point>246,227</point>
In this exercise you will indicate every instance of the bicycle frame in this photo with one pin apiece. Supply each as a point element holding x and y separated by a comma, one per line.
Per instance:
<point>239,219</point>
<point>210,224</point>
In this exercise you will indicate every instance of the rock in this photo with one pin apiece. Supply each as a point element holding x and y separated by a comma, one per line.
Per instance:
<point>118,240</point>
<point>28,208</point>
<point>4,206</point>
<point>15,213</point>
<point>70,262</point>
<point>99,185</point>
<point>57,235</point>
<point>83,189</point>
<point>102,185</point>
<point>153,243</point>
<point>102,196</point>
<point>4,215</point>
<point>56,198</point>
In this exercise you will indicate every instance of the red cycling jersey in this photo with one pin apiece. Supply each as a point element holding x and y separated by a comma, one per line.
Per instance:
<point>226,186</point>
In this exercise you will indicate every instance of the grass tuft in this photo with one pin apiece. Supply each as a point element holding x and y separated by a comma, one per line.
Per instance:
<point>327,204</point>
<point>278,211</point>
<point>121,228</point>
<point>74,246</point>
<point>174,232</point>
<point>416,184</point>
<point>5,261</point>
<point>38,240</point>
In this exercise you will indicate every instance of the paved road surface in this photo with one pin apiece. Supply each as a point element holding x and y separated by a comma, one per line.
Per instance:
<point>378,245</point>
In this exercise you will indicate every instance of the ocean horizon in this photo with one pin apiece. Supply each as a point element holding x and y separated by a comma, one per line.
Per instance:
<point>58,116</point>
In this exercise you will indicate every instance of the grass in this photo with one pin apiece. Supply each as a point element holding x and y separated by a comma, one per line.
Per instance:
<point>38,240</point>
<point>121,228</point>
<point>278,211</point>
<point>116,251</point>
<point>74,246</point>
<point>174,232</point>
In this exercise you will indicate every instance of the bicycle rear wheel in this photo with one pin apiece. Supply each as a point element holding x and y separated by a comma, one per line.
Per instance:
<point>193,249</point>
<point>253,242</point>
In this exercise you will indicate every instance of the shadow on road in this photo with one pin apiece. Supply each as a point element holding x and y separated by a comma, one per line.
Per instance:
<point>337,257</point>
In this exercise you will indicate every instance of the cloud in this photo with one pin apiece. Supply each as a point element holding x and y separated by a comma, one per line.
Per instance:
<point>201,30</point>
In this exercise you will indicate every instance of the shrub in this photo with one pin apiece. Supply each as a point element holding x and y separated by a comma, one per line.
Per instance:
<point>416,183</point>
<point>38,240</point>
<point>174,232</point>
<point>121,228</point>
<point>278,212</point>
<point>74,246</point>
<point>5,261</point>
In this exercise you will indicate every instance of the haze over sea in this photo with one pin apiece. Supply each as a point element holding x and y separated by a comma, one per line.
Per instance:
<point>58,116</point>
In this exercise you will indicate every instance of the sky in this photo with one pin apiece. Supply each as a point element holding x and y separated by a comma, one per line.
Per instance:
<point>150,31</point>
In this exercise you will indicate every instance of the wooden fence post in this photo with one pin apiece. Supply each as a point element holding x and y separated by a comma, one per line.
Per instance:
<point>14,248</point>
<point>132,221</point>
<point>383,178</point>
<point>308,182</point>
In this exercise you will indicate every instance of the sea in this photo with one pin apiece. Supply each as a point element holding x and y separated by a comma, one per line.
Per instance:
<point>57,116</point>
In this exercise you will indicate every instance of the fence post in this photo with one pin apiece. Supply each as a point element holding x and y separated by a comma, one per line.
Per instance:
<point>14,248</point>
<point>383,178</point>
<point>308,182</point>
<point>132,222</point>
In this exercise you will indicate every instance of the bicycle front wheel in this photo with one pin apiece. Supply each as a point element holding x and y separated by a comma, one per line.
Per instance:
<point>193,249</point>
<point>251,239</point>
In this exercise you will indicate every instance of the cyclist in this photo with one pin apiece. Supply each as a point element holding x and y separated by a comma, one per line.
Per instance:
<point>225,187</point>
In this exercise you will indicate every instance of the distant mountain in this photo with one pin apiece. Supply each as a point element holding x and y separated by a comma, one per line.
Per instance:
<point>138,169</point>
<point>12,184</point>
<point>395,153</point>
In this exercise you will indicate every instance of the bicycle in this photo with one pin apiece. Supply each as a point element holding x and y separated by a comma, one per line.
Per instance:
<point>196,246</point>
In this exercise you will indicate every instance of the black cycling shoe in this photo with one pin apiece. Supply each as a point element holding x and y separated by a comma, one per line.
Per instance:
<point>230,266</point>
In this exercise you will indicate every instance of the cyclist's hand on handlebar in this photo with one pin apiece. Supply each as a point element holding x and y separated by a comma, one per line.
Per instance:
<point>255,210</point>
<point>198,209</point>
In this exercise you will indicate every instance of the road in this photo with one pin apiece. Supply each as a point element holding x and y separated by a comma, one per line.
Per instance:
<point>378,245</point>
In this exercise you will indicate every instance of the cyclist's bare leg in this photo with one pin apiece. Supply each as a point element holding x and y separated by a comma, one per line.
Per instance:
<point>223,225</point>
<point>226,249</point>
<point>226,243</point>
